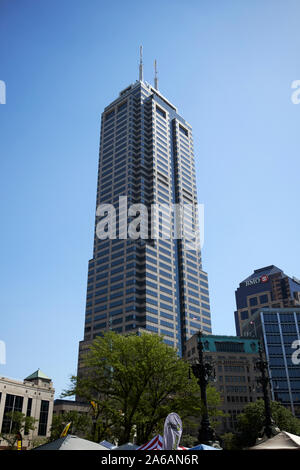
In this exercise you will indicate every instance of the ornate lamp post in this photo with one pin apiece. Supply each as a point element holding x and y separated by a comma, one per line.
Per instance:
<point>203,371</point>
<point>269,429</point>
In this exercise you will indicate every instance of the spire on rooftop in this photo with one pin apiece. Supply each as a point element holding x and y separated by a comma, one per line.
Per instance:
<point>155,76</point>
<point>141,78</point>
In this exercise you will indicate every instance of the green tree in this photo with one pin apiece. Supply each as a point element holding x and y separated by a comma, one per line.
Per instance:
<point>191,424</point>
<point>168,390</point>
<point>229,441</point>
<point>214,401</point>
<point>81,424</point>
<point>250,423</point>
<point>135,381</point>
<point>20,424</point>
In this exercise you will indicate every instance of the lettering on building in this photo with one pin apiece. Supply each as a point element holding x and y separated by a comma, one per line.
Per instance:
<point>257,280</point>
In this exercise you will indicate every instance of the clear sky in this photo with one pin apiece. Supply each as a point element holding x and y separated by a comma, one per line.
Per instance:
<point>228,66</point>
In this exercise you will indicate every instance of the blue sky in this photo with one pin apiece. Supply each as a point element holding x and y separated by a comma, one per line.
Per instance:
<point>227,65</point>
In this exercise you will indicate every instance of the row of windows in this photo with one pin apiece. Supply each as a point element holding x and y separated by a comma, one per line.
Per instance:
<point>162,331</point>
<point>116,170</point>
<point>284,317</point>
<point>282,372</point>
<point>235,378</point>
<point>161,123</point>
<point>186,162</point>
<point>162,322</point>
<point>276,339</point>
<point>162,136</point>
<point>238,399</point>
<point>232,368</point>
<point>285,328</point>
<point>263,299</point>
<point>236,388</point>
<point>110,114</point>
<point>185,152</point>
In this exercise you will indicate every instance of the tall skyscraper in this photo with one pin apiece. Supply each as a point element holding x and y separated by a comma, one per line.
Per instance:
<point>151,281</point>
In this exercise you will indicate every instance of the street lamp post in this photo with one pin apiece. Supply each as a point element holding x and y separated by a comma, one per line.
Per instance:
<point>269,429</point>
<point>203,371</point>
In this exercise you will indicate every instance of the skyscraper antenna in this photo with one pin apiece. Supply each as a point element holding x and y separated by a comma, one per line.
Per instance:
<point>155,76</point>
<point>141,78</point>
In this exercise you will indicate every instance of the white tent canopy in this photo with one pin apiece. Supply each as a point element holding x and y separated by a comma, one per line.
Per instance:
<point>283,440</point>
<point>70,442</point>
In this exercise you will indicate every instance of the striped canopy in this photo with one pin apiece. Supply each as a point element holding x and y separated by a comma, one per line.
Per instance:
<point>154,444</point>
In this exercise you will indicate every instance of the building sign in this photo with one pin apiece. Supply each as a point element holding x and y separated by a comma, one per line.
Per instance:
<point>257,280</point>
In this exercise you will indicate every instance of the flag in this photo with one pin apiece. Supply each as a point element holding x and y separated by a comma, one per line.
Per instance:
<point>66,429</point>
<point>19,441</point>
<point>95,407</point>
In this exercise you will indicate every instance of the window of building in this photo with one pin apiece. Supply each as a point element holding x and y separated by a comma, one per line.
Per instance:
<point>253,301</point>
<point>100,326</point>
<point>161,112</point>
<point>228,346</point>
<point>183,130</point>
<point>109,114</point>
<point>43,418</point>
<point>263,299</point>
<point>28,413</point>
<point>166,315</point>
<point>152,328</point>
<point>12,403</point>
<point>122,106</point>
<point>244,315</point>
<point>287,317</point>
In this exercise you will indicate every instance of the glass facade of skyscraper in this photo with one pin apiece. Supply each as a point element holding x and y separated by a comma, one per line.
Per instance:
<point>153,282</point>
<point>280,331</point>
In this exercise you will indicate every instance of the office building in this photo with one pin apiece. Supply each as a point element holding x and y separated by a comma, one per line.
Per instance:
<point>152,282</point>
<point>62,407</point>
<point>279,331</point>
<point>266,287</point>
<point>234,360</point>
<point>33,397</point>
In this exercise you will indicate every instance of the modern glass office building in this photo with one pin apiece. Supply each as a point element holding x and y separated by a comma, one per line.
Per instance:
<point>265,287</point>
<point>279,329</point>
<point>151,282</point>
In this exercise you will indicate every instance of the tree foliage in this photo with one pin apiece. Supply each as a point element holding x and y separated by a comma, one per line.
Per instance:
<point>80,424</point>
<point>135,382</point>
<point>251,422</point>
<point>20,424</point>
